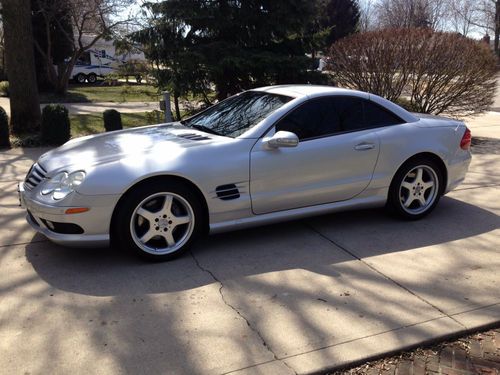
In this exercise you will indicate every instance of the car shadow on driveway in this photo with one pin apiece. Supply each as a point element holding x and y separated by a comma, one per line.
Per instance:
<point>296,245</point>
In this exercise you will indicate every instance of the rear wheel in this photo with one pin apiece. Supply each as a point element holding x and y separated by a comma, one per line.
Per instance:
<point>92,78</point>
<point>416,189</point>
<point>159,222</point>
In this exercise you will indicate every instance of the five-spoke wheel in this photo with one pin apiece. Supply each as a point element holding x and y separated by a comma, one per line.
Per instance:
<point>415,189</point>
<point>162,223</point>
<point>159,221</point>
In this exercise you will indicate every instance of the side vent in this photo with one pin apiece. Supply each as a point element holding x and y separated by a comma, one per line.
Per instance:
<point>193,136</point>
<point>227,192</point>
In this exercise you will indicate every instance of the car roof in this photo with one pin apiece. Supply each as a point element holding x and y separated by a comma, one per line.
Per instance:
<point>311,91</point>
<point>298,91</point>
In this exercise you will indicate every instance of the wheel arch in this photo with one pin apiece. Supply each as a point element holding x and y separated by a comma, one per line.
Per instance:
<point>159,179</point>
<point>432,156</point>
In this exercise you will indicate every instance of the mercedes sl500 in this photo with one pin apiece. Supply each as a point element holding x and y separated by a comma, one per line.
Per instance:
<point>266,155</point>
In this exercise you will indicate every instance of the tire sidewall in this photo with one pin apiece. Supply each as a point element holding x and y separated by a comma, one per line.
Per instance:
<point>80,78</point>
<point>120,231</point>
<point>92,78</point>
<point>393,201</point>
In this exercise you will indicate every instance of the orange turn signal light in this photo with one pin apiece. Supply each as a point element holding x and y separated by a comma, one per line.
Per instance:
<point>76,210</point>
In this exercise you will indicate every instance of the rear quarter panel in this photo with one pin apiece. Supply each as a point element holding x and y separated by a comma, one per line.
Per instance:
<point>401,142</point>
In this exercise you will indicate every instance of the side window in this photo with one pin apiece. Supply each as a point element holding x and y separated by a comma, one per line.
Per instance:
<point>84,59</point>
<point>312,119</point>
<point>358,113</point>
<point>375,116</point>
<point>349,111</point>
<point>335,114</point>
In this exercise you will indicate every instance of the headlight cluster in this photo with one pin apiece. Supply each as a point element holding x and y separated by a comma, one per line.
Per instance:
<point>62,184</point>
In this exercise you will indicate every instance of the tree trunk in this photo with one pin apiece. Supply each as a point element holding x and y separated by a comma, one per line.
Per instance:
<point>176,106</point>
<point>20,63</point>
<point>497,27</point>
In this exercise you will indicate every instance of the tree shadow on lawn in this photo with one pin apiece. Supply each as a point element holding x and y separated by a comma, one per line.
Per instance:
<point>288,246</point>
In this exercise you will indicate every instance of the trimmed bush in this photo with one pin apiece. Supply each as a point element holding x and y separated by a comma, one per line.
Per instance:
<point>56,128</point>
<point>438,72</point>
<point>4,129</point>
<point>4,88</point>
<point>112,120</point>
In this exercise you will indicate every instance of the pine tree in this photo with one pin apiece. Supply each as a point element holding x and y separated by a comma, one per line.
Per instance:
<point>242,44</point>
<point>340,17</point>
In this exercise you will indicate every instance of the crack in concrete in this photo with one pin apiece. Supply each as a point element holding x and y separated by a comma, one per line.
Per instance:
<point>343,248</point>
<point>223,297</point>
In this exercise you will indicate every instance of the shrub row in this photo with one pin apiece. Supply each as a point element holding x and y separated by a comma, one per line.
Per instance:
<point>55,128</point>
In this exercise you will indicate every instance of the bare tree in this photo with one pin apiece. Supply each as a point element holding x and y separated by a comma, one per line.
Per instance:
<point>491,20</point>
<point>410,13</point>
<point>91,21</point>
<point>440,72</point>
<point>366,15</point>
<point>463,15</point>
<point>24,102</point>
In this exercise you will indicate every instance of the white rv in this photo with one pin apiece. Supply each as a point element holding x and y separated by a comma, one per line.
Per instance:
<point>102,60</point>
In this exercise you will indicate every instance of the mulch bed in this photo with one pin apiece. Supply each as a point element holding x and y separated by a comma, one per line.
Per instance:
<point>475,354</point>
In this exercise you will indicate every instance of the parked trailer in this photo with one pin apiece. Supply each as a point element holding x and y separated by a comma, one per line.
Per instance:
<point>101,61</point>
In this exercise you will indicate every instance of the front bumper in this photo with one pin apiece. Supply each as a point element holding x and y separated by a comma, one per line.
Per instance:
<point>94,224</point>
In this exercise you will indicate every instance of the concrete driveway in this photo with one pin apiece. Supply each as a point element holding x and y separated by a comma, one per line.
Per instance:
<point>298,297</point>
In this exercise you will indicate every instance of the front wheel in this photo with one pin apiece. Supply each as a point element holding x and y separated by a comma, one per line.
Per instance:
<point>159,222</point>
<point>80,78</point>
<point>416,189</point>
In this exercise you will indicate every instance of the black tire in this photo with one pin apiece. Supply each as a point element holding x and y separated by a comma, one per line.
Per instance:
<point>127,223</point>
<point>421,196</point>
<point>80,78</point>
<point>92,78</point>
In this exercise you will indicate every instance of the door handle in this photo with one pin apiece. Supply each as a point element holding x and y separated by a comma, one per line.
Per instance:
<point>364,146</point>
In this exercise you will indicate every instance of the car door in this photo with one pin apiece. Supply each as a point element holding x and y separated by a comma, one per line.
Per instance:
<point>334,160</point>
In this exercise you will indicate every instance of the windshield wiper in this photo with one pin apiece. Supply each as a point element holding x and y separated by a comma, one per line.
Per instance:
<point>203,128</point>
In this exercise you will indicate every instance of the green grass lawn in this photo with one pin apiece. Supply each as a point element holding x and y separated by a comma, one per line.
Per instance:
<point>92,124</point>
<point>100,93</point>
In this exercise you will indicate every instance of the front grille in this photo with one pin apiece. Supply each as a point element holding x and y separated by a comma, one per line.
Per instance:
<point>35,175</point>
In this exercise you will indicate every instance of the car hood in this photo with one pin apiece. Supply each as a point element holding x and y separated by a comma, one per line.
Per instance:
<point>138,142</point>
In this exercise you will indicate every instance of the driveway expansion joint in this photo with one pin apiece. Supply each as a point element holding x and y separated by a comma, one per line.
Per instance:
<point>347,251</point>
<point>255,330</point>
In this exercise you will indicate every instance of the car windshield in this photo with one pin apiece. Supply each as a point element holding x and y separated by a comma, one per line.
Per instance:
<point>234,116</point>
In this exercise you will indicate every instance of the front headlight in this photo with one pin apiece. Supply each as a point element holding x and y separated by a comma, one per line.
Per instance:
<point>62,184</point>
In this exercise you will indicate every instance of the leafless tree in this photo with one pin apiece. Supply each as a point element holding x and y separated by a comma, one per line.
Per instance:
<point>92,20</point>
<point>440,72</point>
<point>366,16</point>
<point>490,10</point>
<point>410,13</point>
<point>464,15</point>
<point>20,63</point>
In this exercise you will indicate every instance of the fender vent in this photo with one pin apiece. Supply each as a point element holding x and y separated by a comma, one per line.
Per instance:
<point>227,192</point>
<point>193,136</point>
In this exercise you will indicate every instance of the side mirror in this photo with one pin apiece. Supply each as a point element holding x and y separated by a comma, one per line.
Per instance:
<point>283,139</point>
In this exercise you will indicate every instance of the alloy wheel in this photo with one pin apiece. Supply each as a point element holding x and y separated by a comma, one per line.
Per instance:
<point>418,190</point>
<point>162,223</point>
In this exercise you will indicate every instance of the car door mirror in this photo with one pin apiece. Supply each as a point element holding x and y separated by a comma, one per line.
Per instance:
<point>283,139</point>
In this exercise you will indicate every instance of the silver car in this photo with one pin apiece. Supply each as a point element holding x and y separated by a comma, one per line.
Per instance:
<point>266,155</point>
